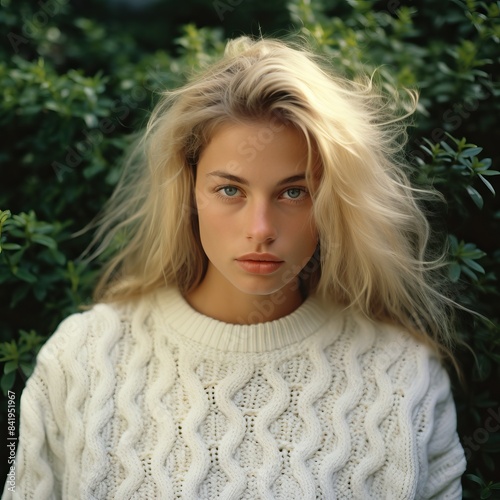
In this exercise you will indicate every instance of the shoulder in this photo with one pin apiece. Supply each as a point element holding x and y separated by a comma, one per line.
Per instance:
<point>80,328</point>
<point>86,347</point>
<point>385,350</point>
<point>81,335</point>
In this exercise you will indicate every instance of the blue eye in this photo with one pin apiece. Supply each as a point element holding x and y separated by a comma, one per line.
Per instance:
<point>229,190</point>
<point>294,193</point>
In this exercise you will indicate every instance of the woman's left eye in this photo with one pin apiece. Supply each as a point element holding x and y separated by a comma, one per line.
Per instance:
<point>294,193</point>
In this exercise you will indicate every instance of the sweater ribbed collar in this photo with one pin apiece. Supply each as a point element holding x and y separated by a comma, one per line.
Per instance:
<point>175,311</point>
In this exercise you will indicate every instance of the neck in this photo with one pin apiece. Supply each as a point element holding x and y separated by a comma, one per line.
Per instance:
<point>231,305</point>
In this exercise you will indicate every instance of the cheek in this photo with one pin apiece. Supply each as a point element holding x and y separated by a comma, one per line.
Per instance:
<point>309,245</point>
<point>209,236</point>
<point>208,226</point>
<point>304,232</point>
<point>214,226</point>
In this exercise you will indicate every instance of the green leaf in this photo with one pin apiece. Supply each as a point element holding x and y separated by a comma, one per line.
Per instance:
<point>476,197</point>
<point>27,368</point>
<point>4,215</point>
<point>475,478</point>
<point>44,228</point>
<point>23,274</point>
<point>454,271</point>
<point>470,251</point>
<point>427,150</point>
<point>58,257</point>
<point>473,265</point>
<point>468,153</point>
<point>41,239</point>
<point>487,184</point>
<point>453,243</point>
<point>7,381</point>
<point>483,165</point>
<point>469,273</point>
<point>10,246</point>
<point>10,366</point>
<point>446,146</point>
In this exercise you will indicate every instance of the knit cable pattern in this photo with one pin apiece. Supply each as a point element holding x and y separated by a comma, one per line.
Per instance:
<point>153,400</point>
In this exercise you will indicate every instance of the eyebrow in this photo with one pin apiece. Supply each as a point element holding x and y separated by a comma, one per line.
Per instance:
<point>240,180</point>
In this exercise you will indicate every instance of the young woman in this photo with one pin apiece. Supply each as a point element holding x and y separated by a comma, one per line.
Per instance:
<point>269,329</point>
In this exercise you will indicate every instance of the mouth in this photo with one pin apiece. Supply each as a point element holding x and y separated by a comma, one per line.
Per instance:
<point>259,263</point>
<point>259,257</point>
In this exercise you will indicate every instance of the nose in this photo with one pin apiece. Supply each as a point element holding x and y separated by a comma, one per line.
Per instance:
<point>261,223</point>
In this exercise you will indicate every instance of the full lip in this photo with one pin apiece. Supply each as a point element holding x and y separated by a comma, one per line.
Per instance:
<point>260,257</point>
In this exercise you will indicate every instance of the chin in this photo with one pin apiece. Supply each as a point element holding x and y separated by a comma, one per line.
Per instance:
<point>260,289</point>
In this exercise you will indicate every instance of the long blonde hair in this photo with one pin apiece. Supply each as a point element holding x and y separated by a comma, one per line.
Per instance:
<point>373,233</point>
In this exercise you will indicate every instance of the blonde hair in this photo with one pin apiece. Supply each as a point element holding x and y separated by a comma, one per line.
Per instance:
<point>373,234</point>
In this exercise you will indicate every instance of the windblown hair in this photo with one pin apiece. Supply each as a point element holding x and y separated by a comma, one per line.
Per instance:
<point>373,234</point>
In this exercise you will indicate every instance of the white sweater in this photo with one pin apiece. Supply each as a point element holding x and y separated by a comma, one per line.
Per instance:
<point>157,401</point>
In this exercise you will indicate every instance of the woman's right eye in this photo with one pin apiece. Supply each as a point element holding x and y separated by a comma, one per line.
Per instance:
<point>229,191</point>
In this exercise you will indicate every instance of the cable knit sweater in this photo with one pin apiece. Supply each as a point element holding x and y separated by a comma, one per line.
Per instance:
<point>156,401</point>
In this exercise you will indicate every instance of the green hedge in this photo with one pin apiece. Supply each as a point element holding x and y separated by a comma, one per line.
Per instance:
<point>75,88</point>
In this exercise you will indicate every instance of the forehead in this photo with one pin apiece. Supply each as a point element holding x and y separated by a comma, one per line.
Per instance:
<point>266,147</point>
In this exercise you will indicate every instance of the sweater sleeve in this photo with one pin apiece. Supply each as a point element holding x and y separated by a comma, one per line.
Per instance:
<point>40,453</point>
<point>442,461</point>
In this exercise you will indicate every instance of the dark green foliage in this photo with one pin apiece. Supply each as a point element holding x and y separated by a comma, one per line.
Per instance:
<point>76,86</point>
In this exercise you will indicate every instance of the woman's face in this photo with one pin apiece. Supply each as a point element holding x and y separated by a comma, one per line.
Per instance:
<point>254,208</point>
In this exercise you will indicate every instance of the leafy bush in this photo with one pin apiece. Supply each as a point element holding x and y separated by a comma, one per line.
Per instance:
<point>75,89</point>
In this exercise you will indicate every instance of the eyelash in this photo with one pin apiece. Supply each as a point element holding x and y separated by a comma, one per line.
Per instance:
<point>230,198</point>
